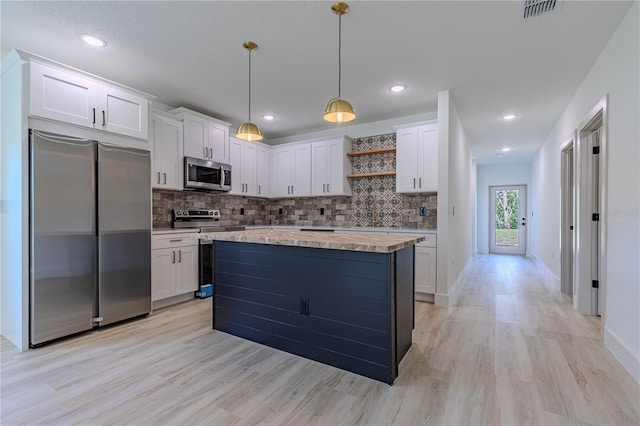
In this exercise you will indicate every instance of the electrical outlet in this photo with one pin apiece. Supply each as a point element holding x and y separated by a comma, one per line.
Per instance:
<point>423,211</point>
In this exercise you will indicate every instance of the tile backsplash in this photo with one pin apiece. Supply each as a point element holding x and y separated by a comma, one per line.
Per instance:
<point>392,210</point>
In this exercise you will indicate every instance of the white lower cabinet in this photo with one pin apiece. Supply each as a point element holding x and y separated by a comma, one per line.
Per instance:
<point>174,265</point>
<point>425,265</point>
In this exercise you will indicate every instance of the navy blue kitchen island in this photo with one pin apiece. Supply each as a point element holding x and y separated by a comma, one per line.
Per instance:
<point>343,300</point>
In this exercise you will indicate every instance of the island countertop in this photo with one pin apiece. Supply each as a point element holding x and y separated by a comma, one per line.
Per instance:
<point>375,243</point>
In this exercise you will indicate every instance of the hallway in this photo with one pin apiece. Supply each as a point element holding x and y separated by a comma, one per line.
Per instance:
<point>512,351</point>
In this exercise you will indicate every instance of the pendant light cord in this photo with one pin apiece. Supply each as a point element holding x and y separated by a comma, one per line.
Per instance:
<point>249,85</point>
<point>339,53</point>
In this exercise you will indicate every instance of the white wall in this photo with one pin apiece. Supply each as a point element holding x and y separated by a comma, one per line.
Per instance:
<point>14,206</point>
<point>456,200</point>
<point>616,73</point>
<point>493,175</point>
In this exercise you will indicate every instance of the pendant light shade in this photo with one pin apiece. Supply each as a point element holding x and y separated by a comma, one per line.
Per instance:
<point>249,131</point>
<point>338,110</point>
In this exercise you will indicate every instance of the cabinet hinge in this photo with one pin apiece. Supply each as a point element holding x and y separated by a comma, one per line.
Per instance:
<point>596,150</point>
<point>595,217</point>
<point>595,284</point>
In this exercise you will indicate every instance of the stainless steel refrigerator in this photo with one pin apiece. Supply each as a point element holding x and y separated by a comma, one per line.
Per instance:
<point>90,235</point>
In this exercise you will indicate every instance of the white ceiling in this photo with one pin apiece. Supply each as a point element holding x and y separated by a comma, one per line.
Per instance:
<point>190,54</point>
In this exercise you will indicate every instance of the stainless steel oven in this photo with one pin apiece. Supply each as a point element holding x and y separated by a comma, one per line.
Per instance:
<point>206,221</point>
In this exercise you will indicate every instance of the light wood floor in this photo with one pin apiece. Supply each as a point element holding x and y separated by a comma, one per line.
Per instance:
<point>512,351</point>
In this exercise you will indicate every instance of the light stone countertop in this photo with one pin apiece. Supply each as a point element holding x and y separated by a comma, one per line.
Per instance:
<point>377,243</point>
<point>367,229</point>
<point>162,231</point>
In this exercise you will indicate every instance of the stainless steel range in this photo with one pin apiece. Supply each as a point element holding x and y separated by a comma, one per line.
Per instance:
<point>204,221</point>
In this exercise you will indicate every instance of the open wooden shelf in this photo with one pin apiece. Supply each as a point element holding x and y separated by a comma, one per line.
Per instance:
<point>364,175</point>
<point>371,152</point>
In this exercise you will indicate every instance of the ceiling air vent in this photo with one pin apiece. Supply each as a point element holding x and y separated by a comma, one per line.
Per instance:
<point>534,8</point>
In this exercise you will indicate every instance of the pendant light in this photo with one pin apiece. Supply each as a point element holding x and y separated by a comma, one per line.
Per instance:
<point>249,131</point>
<point>338,110</point>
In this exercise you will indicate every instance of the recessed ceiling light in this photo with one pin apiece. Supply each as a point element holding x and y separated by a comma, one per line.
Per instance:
<point>398,88</point>
<point>268,117</point>
<point>92,40</point>
<point>509,117</point>
<point>506,149</point>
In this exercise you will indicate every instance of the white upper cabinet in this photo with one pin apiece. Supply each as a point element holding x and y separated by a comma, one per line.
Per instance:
<point>69,97</point>
<point>249,174</point>
<point>330,166</point>
<point>167,139</point>
<point>264,171</point>
<point>290,171</point>
<point>235,159</point>
<point>417,158</point>
<point>205,137</point>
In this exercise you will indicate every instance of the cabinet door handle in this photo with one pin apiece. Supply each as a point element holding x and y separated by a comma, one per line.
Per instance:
<point>291,189</point>
<point>420,182</point>
<point>259,189</point>
<point>210,152</point>
<point>173,257</point>
<point>328,190</point>
<point>323,188</point>
<point>94,118</point>
<point>165,178</point>
<point>246,187</point>
<point>179,256</point>
<point>104,118</point>
<point>206,151</point>
<point>158,180</point>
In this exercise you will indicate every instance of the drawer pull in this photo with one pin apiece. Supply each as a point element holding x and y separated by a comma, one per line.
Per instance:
<point>175,241</point>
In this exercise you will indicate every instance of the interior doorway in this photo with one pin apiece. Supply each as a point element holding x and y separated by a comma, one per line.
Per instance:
<point>507,219</point>
<point>567,206</point>
<point>589,294</point>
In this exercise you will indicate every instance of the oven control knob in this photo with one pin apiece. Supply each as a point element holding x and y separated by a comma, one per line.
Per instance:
<point>210,212</point>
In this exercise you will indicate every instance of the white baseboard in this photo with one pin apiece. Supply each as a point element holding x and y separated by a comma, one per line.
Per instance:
<point>441,300</point>
<point>450,298</point>
<point>159,304</point>
<point>424,297</point>
<point>547,274</point>
<point>621,352</point>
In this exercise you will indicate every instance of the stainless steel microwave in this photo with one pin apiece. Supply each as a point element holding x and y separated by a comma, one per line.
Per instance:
<point>205,175</point>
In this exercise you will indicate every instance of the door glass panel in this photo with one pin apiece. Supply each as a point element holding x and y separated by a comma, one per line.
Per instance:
<point>507,211</point>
